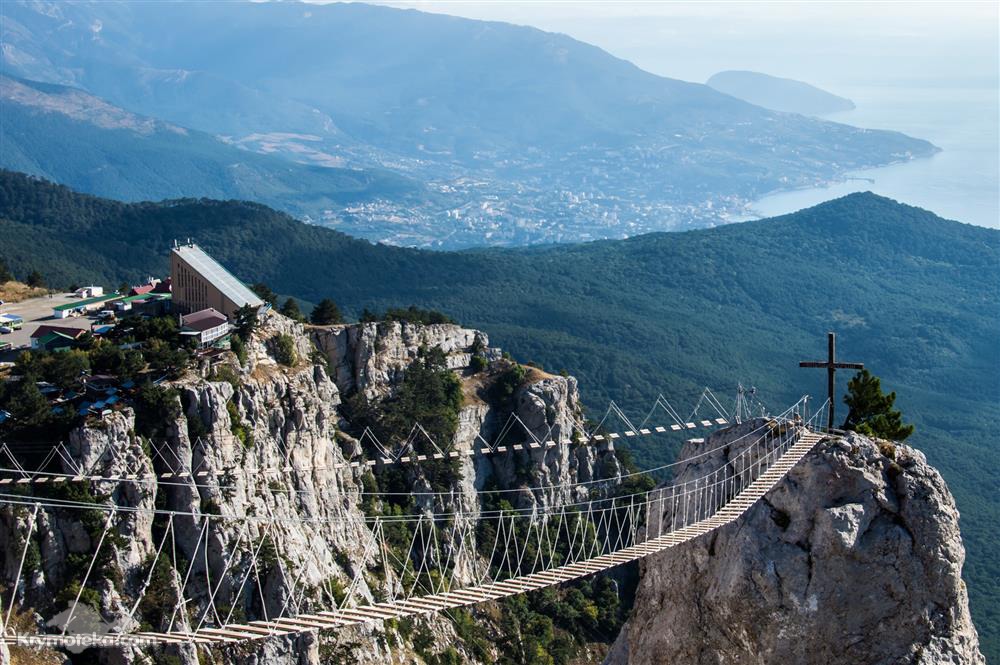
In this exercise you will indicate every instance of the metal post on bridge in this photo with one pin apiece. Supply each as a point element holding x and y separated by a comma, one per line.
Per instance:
<point>831,365</point>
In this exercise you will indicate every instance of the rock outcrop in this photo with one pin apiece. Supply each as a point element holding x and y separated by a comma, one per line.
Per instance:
<point>372,357</point>
<point>855,557</point>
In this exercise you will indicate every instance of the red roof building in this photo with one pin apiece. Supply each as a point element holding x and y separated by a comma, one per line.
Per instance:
<point>141,290</point>
<point>44,329</point>
<point>50,338</point>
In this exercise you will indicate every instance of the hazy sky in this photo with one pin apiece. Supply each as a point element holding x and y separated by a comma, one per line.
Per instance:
<point>833,43</point>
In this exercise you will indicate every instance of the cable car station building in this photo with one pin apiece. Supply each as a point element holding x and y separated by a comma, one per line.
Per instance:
<point>200,282</point>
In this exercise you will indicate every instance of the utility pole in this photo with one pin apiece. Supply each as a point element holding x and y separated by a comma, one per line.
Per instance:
<point>831,366</point>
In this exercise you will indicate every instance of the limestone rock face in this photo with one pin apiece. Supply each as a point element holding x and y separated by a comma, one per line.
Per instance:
<point>269,440</point>
<point>371,357</point>
<point>855,557</point>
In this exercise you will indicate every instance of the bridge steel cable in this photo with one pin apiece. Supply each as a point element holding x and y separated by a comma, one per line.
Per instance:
<point>531,547</point>
<point>178,479</point>
<point>386,455</point>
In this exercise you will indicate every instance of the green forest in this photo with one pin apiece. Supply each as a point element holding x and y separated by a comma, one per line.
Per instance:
<point>914,297</point>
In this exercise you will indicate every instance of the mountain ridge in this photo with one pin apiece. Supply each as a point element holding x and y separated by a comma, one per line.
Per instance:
<point>68,135</point>
<point>777,93</point>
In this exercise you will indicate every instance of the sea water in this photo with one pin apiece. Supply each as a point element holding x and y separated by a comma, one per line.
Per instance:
<point>962,182</point>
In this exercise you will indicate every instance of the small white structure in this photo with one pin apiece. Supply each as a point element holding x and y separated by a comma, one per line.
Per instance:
<point>89,291</point>
<point>206,325</point>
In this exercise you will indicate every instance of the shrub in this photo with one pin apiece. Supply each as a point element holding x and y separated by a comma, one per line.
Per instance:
<point>337,590</point>
<point>238,428</point>
<point>509,382</point>
<point>237,346</point>
<point>226,373</point>
<point>423,640</point>
<point>284,350</point>
<point>478,364</point>
<point>160,598</point>
<point>88,596</point>
<point>472,634</point>
<point>887,449</point>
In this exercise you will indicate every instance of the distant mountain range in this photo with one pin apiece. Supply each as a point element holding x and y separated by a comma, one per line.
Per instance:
<point>779,94</point>
<point>72,137</point>
<point>527,136</point>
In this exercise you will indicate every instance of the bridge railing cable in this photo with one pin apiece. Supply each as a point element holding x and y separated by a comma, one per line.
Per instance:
<point>424,555</point>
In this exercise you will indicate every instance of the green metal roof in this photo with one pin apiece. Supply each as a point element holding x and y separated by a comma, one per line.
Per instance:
<point>147,296</point>
<point>45,340</point>
<point>83,303</point>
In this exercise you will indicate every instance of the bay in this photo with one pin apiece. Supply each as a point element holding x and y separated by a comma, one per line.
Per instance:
<point>962,182</point>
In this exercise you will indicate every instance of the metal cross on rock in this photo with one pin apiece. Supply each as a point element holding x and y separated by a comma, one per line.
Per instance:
<point>831,366</point>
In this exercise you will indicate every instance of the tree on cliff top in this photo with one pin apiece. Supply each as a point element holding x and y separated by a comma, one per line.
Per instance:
<point>870,410</point>
<point>325,313</point>
<point>265,293</point>
<point>292,311</point>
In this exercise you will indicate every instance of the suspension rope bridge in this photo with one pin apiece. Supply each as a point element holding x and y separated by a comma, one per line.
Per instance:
<point>207,573</point>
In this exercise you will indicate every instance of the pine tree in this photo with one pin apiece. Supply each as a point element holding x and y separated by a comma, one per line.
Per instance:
<point>26,404</point>
<point>246,322</point>
<point>325,313</point>
<point>292,311</point>
<point>35,279</point>
<point>870,410</point>
<point>265,293</point>
<point>5,274</point>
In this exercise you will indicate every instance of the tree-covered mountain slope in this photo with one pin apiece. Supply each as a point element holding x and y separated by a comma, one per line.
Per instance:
<point>70,136</point>
<point>916,297</point>
<point>513,123</point>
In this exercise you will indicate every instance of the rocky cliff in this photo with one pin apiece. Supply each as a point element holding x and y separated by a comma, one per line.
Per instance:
<point>855,557</point>
<point>271,439</point>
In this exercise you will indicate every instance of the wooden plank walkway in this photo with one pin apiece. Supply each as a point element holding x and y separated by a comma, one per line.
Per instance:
<point>256,630</point>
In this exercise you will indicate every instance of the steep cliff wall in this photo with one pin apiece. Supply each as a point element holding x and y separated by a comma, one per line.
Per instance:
<point>266,439</point>
<point>855,557</point>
